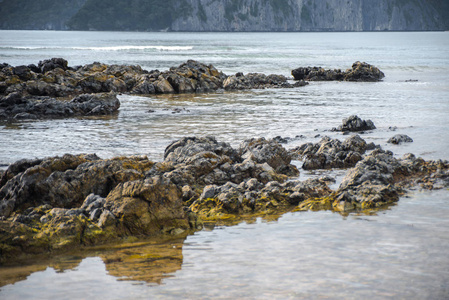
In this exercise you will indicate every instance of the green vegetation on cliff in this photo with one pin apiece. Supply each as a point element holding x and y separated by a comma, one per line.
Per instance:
<point>37,14</point>
<point>142,15</point>
<point>225,15</point>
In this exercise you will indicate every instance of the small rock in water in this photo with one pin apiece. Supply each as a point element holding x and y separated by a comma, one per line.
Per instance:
<point>399,139</point>
<point>281,140</point>
<point>354,123</point>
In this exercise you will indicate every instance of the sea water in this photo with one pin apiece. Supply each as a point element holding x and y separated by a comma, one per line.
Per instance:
<point>398,253</point>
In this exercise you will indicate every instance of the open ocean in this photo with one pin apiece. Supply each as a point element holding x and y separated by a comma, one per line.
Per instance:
<point>399,253</point>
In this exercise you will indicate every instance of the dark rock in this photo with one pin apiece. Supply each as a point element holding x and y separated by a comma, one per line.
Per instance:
<point>331,153</point>
<point>61,203</point>
<point>53,78</point>
<point>281,140</point>
<point>399,139</point>
<point>258,81</point>
<point>354,123</point>
<point>15,107</point>
<point>362,71</point>
<point>204,161</point>
<point>358,72</point>
<point>51,64</point>
<point>66,181</point>
<point>380,178</point>
<point>263,151</point>
<point>23,72</point>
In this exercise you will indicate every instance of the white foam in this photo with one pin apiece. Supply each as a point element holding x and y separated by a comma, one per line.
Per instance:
<point>110,48</point>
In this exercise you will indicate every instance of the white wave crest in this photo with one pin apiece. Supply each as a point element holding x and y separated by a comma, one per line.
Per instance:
<point>109,48</point>
<point>120,48</point>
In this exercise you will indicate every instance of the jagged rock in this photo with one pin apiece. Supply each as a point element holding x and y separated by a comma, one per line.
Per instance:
<point>258,81</point>
<point>331,153</point>
<point>14,106</point>
<point>362,71</point>
<point>380,178</point>
<point>263,151</point>
<point>146,207</point>
<point>51,64</point>
<point>30,92</point>
<point>65,202</point>
<point>354,123</point>
<point>203,161</point>
<point>252,196</point>
<point>65,181</point>
<point>359,72</point>
<point>54,78</point>
<point>371,182</point>
<point>399,139</point>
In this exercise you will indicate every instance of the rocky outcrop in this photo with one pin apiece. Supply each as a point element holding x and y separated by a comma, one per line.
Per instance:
<point>65,181</point>
<point>71,201</point>
<point>379,179</point>
<point>60,203</point>
<point>332,153</point>
<point>358,72</point>
<point>201,161</point>
<point>258,80</point>
<point>15,106</point>
<point>252,196</point>
<point>35,91</point>
<point>354,124</point>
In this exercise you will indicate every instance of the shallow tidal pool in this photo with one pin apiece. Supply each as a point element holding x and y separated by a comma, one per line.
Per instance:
<point>397,253</point>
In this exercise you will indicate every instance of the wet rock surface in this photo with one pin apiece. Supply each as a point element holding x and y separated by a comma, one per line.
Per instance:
<point>259,81</point>
<point>360,71</point>
<point>355,123</point>
<point>399,139</point>
<point>60,203</point>
<point>35,91</point>
<point>15,107</point>
<point>332,153</point>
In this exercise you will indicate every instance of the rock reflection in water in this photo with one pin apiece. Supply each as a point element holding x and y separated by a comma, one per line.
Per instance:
<point>149,261</point>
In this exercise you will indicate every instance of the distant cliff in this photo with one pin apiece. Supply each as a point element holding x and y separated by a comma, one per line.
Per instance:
<point>313,15</point>
<point>226,15</point>
<point>38,14</point>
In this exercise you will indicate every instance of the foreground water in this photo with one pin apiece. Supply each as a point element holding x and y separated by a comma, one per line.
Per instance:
<point>398,253</point>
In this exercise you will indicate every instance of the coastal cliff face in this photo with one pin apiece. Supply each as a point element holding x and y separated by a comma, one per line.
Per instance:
<point>38,15</point>
<point>226,15</point>
<point>308,15</point>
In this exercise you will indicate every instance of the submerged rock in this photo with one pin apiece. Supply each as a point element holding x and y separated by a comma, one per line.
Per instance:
<point>354,123</point>
<point>359,72</point>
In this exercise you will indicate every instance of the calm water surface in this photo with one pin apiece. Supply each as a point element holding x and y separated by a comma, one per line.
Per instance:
<point>400,253</point>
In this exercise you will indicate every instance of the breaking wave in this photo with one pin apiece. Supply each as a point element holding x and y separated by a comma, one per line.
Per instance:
<point>108,48</point>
